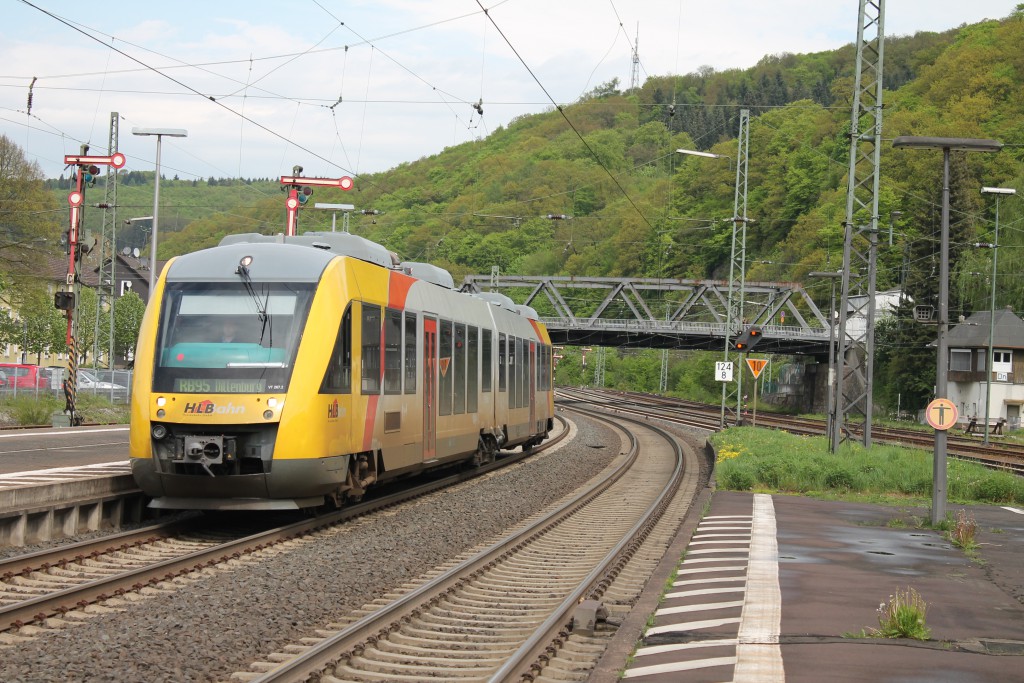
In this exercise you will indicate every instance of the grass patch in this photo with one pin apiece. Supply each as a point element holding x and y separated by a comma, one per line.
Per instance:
<point>32,411</point>
<point>757,459</point>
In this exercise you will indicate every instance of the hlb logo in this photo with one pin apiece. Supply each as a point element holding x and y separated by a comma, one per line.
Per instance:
<point>208,407</point>
<point>202,408</point>
<point>332,410</point>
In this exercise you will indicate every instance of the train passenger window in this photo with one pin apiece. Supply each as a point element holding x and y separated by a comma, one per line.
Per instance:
<point>523,377</point>
<point>487,347</point>
<point>459,371</point>
<point>371,349</point>
<point>473,367</point>
<point>501,362</point>
<point>410,353</point>
<point>338,378</point>
<point>392,351</point>
<point>445,372</point>
<point>513,373</point>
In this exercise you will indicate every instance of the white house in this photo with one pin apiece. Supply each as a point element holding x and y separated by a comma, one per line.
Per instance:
<point>968,361</point>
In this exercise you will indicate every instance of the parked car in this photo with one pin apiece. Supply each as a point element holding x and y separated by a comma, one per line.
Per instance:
<point>25,376</point>
<point>89,383</point>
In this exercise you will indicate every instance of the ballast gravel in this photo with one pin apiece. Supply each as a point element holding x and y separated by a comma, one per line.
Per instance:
<point>218,623</point>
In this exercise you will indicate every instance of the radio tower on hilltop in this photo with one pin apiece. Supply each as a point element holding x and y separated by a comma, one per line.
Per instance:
<point>634,81</point>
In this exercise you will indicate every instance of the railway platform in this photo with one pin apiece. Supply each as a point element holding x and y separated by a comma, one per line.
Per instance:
<point>785,588</point>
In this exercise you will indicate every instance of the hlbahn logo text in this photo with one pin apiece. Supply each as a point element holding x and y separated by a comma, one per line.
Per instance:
<point>332,409</point>
<point>208,407</point>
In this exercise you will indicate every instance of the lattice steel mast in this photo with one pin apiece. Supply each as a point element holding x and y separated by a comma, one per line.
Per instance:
<point>737,266</point>
<point>854,379</point>
<point>103,331</point>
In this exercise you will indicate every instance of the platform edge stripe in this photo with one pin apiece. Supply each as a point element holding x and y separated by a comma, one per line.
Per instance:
<point>704,519</point>
<point>720,541</point>
<point>717,579</point>
<point>1013,509</point>
<point>758,657</point>
<point>704,607</point>
<point>711,551</point>
<point>706,591</point>
<point>674,647</point>
<point>706,570</point>
<point>680,666</point>
<point>691,625</point>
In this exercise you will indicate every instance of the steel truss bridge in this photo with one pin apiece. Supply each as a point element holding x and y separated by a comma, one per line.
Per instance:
<point>664,313</point>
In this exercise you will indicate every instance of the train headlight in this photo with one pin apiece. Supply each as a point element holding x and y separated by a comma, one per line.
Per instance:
<point>159,432</point>
<point>161,401</point>
<point>268,414</point>
<point>161,413</point>
<point>272,402</point>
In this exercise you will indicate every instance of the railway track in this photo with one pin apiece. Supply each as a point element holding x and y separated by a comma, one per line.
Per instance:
<point>40,589</point>
<point>1004,456</point>
<point>527,601</point>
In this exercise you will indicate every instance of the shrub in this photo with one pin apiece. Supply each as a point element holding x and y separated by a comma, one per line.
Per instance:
<point>998,487</point>
<point>30,411</point>
<point>736,479</point>
<point>839,478</point>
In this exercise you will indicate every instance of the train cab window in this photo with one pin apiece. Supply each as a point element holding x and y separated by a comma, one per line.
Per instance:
<point>487,349</point>
<point>392,351</point>
<point>502,382</point>
<point>371,369</point>
<point>338,378</point>
<point>410,353</point>
<point>444,369</point>
<point>459,369</point>
<point>473,368</point>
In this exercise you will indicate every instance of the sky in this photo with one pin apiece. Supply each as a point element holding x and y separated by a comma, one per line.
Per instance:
<point>344,88</point>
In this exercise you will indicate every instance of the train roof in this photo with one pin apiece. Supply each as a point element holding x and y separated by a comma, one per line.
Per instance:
<point>344,243</point>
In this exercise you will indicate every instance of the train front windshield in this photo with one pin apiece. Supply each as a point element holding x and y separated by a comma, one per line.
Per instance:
<point>226,338</point>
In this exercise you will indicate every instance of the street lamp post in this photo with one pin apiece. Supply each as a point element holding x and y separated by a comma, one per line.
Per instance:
<point>160,133</point>
<point>942,351</point>
<point>729,322</point>
<point>998,192</point>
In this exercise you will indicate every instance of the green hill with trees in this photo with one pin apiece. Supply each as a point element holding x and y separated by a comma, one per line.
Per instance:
<point>637,208</point>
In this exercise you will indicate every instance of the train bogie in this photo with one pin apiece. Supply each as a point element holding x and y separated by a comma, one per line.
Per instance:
<point>285,372</point>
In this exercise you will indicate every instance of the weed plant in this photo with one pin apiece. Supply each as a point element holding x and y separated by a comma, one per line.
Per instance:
<point>963,532</point>
<point>751,458</point>
<point>903,617</point>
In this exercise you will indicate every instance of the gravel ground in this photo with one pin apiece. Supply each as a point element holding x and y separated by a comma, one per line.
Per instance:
<point>218,624</point>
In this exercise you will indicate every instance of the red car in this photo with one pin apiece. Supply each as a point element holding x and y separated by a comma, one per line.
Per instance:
<point>25,376</point>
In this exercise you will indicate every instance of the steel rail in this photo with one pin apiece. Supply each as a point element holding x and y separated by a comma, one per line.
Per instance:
<point>40,608</point>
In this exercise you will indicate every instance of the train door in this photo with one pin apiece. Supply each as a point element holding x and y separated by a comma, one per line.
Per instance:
<point>532,371</point>
<point>429,387</point>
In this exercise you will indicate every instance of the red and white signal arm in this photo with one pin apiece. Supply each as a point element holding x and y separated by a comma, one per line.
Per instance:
<point>117,160</point>
<point>343,182</point>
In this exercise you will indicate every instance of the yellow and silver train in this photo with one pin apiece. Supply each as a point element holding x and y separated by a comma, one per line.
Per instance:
<point>279,372</point>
